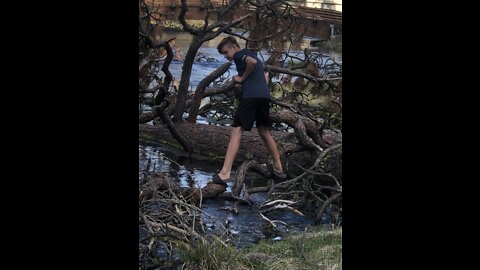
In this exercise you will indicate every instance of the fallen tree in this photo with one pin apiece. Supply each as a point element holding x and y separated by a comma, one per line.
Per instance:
<point>212,140</point>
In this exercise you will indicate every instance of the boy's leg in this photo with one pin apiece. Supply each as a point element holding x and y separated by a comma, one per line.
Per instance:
<point>267,138</point>
<point>232,151</point>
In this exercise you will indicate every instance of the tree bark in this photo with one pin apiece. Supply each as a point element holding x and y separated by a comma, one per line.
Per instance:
<point>212,141</point>
<point>312,128</point>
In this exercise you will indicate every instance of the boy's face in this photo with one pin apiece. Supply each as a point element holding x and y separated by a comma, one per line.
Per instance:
<point>228,51</point>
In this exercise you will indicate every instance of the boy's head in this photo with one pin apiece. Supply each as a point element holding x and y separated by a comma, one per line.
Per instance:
<point>228,46</point>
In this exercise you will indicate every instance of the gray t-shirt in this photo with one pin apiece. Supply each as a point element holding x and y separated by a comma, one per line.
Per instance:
<point>255,85</point>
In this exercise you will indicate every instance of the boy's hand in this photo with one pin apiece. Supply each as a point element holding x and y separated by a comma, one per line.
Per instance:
<point>238,79</point>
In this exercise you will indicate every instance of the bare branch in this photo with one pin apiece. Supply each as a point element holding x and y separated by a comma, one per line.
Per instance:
<point>197,97</point>
<point>224,26</point>
<point>272,222</point>
<point>325,204</point>
<point>299,74</point>
<point>181,18</point>
<point>320,157</point>
<point>227,8</point>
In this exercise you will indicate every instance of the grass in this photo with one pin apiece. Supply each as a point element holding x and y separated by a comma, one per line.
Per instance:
<point>175,25</point>
<point>213,256</point>
<point>334,44</point>
<point>320,249</point>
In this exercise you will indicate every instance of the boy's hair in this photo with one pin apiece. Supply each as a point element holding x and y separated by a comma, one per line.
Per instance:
<point>227,40</point>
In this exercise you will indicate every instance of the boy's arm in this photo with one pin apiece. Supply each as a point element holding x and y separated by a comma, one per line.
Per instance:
<point>251,63</point>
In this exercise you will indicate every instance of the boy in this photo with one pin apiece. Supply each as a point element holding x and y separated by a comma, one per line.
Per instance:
<point>254,107</point>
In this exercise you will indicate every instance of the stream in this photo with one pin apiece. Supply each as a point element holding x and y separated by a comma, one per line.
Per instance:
<point>246,226</point>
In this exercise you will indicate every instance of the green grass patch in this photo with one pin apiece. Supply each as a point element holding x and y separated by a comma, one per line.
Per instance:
<point>175,25</point>
<point>334,44</point>
<point>318,249</point>
<point>214,255</point>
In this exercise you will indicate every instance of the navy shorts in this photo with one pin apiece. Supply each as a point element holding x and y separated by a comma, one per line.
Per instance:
<point>252,110</point>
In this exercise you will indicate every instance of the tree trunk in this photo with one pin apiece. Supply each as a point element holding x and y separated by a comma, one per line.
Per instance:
<point>212,141</point>
<point>185,78</point>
